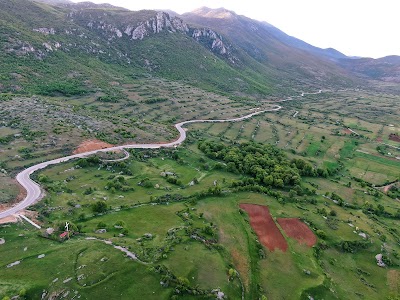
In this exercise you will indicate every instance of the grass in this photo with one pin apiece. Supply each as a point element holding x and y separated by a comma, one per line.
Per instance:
<point>187,260</point>
<point>333,274</point>
<point>69,257</point>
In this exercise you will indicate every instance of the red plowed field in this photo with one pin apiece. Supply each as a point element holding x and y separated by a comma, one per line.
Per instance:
<point>264,226</point>
<point>394,137</point>
<point>296,229</point>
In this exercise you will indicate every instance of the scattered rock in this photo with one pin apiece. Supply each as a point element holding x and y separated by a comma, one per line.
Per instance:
<point>363,235</point>
<point>67,280</point>
<point>148,235</point>
<point>14,264</point>
<point>220,295</point>
<point>379,260</point>
<point>103,230</point>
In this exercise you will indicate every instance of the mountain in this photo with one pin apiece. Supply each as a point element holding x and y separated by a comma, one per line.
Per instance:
<point>270,51</point>
<point>55,2</point>
<point>86,44</point>
<point>384,69</point>
<point>329,53</point>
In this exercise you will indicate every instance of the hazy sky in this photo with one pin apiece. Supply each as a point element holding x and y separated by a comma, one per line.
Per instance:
<point>354,27</point>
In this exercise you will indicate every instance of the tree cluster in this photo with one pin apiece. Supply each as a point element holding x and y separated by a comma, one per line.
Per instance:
<point>266,164</point>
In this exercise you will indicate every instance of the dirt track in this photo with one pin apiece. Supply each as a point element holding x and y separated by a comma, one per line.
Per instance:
<point>296,229</point>
<point>264,226</point>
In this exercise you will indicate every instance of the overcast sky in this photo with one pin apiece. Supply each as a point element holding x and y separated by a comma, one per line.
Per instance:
<point>355,27</point>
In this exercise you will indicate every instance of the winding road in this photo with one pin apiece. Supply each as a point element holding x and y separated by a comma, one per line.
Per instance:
<point>34,192</point>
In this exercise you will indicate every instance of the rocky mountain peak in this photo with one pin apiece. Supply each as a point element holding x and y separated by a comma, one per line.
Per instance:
<point>217,13</point>
<point>160,22</point>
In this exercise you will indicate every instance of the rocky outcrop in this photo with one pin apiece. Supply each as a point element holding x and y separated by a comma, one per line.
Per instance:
<point>158,23</point>
<point>161,22</point>
<point>45,31</point>
<point>214,42</point>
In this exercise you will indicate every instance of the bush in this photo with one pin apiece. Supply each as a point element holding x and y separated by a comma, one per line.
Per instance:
<point>101,225</point>
<point>120,223</point>
<point>99,207</point>
<point>320,233</point>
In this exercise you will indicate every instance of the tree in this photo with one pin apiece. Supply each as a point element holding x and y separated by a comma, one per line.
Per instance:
<point>101,225</point>
<point>99,207</point>
<point>120,223</point>
<point>22,293</point>
<point>231,273</point>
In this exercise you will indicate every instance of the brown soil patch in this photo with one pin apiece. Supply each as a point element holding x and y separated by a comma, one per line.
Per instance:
<point>393,278</point>
<point>264,226</point>
<point>22,192</point>
<point>394,137</point>
<point>297,230</point>
<point>379,139</point>
<point>346,131</point>
<point>10,219</point>
<point>14,219</point>
<point>91,145</point>
<point>4,206</point>
<point>242,266</point>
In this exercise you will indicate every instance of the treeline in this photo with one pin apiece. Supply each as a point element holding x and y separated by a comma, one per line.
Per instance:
<point>266,164</point>
<point>155,100</point>
<point>65,88</point>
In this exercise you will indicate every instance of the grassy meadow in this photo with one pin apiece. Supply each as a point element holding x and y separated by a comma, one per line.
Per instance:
<point>178,211</point>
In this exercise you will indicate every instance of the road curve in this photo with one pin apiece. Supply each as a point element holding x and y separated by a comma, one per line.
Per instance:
<point>34,192</point>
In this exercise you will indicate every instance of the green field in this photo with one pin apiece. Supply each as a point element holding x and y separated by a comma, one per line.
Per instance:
<point>198,242</point>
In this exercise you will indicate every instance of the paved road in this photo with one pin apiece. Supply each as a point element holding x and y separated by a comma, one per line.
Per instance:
<point>34,192</point>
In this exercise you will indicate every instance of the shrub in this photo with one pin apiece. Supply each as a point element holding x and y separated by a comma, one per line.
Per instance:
<point>99,207</point>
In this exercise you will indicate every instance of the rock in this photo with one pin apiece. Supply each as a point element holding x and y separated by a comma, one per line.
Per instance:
<point>102,230</point>
<point>363,235</point>
<point>379,260</point>
<point>148,235</point>
<point>2,241</point>
<point>41,256</point>
<point>50,230</point>
<point>67,280</point>
<point>14,264</point>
